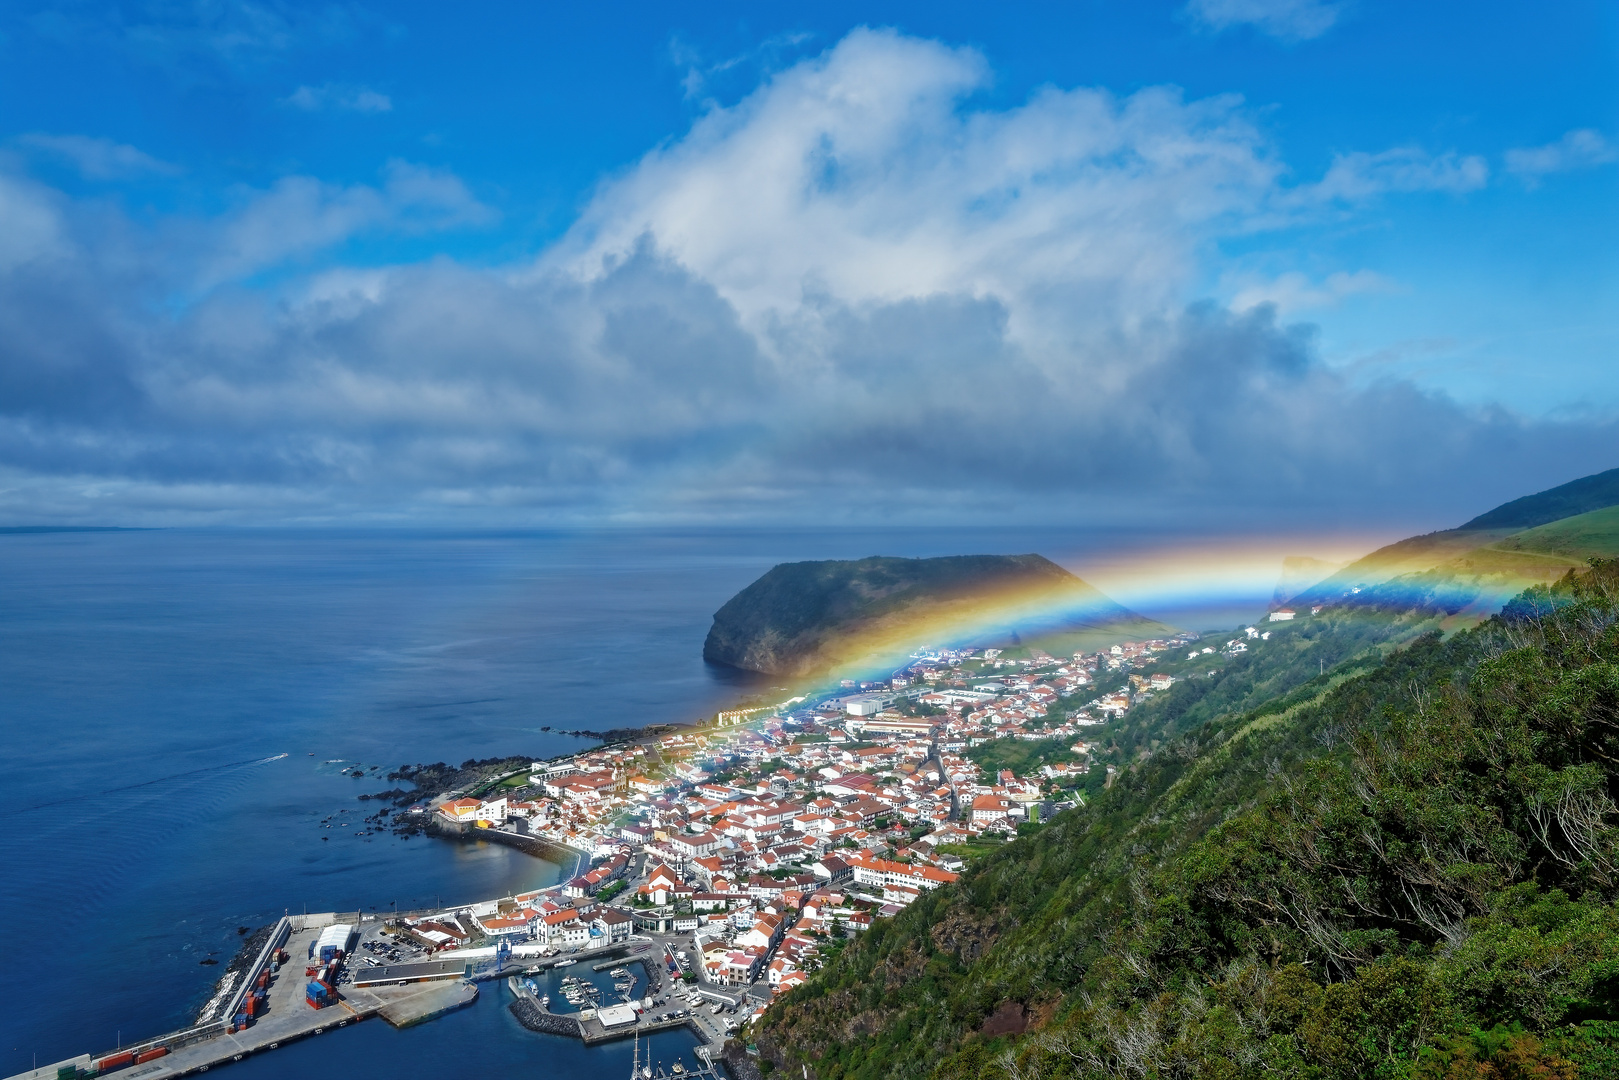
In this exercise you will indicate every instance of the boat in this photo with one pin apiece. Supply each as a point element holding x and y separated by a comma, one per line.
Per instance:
<point>565,963</point>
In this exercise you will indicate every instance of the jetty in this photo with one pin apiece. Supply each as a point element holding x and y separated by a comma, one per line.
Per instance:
<point>285,1018</point>
<point>590,1026</point>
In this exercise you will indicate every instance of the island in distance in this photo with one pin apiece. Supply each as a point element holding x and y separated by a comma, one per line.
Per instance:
<point>809,619</point>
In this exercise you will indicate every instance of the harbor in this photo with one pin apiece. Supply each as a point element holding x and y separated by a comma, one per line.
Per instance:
<point>280,1016</point>
<point>298,986</point>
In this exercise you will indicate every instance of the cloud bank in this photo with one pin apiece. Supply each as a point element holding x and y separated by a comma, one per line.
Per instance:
<point>1578,149</point>
<point>852,295</point>
<point>1286,20</point>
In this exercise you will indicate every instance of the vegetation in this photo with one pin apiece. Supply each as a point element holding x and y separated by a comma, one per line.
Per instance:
<point>1022,756</point>
<point>1575,497</point>
<point>1407,867</point>
<point>811,617</point>
<point>1273,677</point>
<point>1596,533</point>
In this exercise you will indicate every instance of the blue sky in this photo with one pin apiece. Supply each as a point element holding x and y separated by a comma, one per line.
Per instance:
<point>1085,261</point>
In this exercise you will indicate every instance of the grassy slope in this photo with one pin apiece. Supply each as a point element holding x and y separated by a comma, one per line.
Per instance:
<point>1566,500</point>
<point>1593,534</point>
<point>1476,549</point>
<point>1352,881</point>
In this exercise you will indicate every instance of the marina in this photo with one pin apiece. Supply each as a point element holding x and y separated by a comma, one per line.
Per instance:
<point>280,999</point>
<point>285,1016</point>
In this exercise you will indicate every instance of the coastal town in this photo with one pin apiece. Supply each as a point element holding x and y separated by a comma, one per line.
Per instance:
<point>711,868</point>
<point>770,835</point>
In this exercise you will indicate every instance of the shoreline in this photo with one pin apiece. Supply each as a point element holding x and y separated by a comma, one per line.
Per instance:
<point>540,847</point>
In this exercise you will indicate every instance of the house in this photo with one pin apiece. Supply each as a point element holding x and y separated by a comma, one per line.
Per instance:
<point>990,810</point>
<point>687,846</point>
<point>564,927</point>
<point>869,870</point>
<point>713,901</point>
<point>765,932</point>
<point>459,810</point>
<point>831,870</point>
<point>1281,616</point>
<point>614,925</point>
<point>900,894</point>
<point>518,924</point>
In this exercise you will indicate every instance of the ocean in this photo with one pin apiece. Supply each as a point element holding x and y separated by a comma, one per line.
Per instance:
<point>179,705</point>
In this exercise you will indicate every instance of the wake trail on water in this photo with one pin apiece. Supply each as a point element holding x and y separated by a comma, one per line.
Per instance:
<point>100,847</point>
<point>149,783</point>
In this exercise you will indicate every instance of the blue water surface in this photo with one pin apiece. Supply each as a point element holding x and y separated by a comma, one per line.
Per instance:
<point>178,706</point>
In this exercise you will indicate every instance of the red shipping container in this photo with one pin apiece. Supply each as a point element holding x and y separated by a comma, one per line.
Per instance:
<point>264,979</point>
<point>150,1055</point>
<point>115,1061</point>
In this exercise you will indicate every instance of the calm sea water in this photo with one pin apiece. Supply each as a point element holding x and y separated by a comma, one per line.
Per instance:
<point>151,682</point>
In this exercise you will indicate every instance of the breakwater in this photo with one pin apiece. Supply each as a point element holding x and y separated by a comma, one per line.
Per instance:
<point>569,858</point>
<point>531,1016</point>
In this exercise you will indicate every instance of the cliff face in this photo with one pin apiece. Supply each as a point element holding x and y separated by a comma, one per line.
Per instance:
<point>809,618</point>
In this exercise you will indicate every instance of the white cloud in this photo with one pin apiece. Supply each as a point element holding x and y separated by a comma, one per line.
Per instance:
<point>1578,149</point>
<point>1357,176</point>
<point>854,281</point>
<point>30,224</point>
<point>339,96</point>
<point>1292,293</point>
<point>301,215</point>
<point>99,159</point>
<point>859,176</point>
<point>1287,20</point>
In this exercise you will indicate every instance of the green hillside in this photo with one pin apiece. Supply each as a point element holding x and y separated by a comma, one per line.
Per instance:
<point>1584,536</point>
<point>1567,500</point>
<point>1469,572</point>
<point>810,618</point>
<point>1404,867</point>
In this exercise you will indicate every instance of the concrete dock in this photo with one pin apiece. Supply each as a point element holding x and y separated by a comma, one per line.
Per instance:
<point>403,994</point>
<point>289,1017</point>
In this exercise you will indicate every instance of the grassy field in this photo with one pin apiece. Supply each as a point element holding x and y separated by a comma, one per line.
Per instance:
<point>1022,756</point>
<point>1596,533</point>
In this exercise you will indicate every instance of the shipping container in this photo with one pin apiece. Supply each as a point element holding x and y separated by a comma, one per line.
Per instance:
<point>150,1055</point>
<point>115,1061</point>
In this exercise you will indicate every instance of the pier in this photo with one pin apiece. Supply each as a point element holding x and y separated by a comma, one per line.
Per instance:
<point>288,1018</point>
<point>592,1029</point>
<point>403,994</point>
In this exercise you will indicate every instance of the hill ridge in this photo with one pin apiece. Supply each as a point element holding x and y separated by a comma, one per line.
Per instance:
<point>807,618</point>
